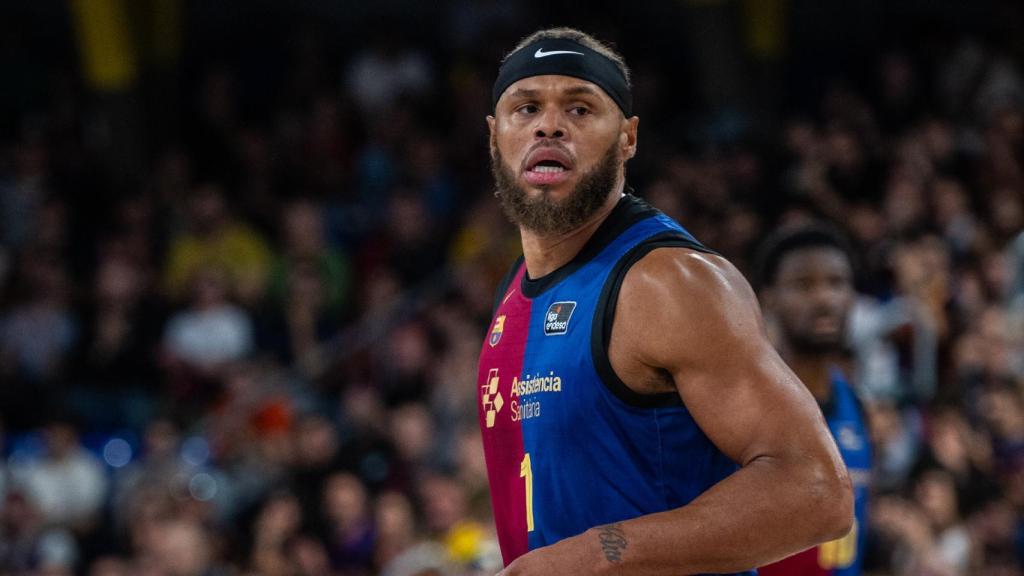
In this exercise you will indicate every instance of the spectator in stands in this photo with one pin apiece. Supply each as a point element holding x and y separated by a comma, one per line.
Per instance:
<point>212,331</point>
<point>66,482</point>
<point>36,335</point>
<point>277,523</point>
<point>214,239</point>
<point>160,469</point>
<point>351,534</point>
<point>309,288</point>
<point>113,368</point>
<point>386,70</point>
<point>31,545</point>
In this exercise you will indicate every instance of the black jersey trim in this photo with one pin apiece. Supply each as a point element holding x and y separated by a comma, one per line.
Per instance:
<point>629,210</point>
<point>504,284</point>
<point>604,317</point>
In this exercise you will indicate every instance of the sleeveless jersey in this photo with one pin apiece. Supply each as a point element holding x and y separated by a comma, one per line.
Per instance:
<point>568,445</point>
<point>840,557</point>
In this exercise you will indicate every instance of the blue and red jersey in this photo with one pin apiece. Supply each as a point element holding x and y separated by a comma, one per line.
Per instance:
<point>568,445</point>
<point>840,557</point>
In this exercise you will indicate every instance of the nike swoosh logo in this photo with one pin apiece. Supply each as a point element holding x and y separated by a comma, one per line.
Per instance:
<point>509,295</point>
<point>540,53</point>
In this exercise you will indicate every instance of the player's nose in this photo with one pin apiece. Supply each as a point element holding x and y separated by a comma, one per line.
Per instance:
<point>550,124</point>
<point>827,298</point>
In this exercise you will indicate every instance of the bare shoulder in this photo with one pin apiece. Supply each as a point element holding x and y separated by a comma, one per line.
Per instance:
<point>691,296</point>
<point>685,280</point>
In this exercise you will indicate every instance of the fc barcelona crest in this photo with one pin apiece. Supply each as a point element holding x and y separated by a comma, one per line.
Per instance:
<point>499,327</point>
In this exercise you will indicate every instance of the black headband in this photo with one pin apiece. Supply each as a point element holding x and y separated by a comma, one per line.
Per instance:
<point>564,57</point>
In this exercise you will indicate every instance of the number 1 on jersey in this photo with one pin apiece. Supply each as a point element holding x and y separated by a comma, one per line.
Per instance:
<point>526,471</point>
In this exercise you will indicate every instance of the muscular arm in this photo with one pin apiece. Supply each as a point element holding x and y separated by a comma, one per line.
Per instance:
<point>693,318</point>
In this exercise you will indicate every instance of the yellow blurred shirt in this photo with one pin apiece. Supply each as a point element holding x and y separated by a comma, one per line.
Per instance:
<point>237,249</point>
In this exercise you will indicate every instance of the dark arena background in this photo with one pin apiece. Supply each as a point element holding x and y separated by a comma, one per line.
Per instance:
<point>248,253</point>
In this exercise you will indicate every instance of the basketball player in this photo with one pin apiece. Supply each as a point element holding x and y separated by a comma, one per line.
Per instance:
<point>635,418</point>
<point>806,280</point>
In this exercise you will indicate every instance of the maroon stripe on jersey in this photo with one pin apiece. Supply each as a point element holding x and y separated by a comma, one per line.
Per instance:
<point>500,360</point>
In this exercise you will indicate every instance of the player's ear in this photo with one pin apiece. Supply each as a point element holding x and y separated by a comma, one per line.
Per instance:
<point>491,140</point>
<point>628,137</point>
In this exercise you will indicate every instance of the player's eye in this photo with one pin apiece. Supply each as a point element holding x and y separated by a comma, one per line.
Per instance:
<point>580,110</point>
<point>804,284</point>
<point>528,109</point>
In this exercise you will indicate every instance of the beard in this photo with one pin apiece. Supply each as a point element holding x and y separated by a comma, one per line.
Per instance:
<point>804,341</point>
<point>544,215</point>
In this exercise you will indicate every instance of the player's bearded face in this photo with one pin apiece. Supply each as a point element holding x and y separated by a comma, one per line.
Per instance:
<point>814,294</point>
<point>545,214</point>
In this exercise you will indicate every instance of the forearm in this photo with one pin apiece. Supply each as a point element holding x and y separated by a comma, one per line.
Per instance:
<point>763,512</point>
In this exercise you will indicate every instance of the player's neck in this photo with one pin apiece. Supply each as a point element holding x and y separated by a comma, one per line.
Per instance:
<point>815,371</point>
<point>546,253</point>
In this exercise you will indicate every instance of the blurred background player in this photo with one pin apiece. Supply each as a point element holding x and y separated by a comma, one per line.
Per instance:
<point>807,290</point>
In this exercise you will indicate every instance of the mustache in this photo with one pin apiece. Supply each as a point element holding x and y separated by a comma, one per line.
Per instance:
<point>829,313</point>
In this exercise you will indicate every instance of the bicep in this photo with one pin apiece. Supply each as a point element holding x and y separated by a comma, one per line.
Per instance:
<point>733,382</point>
<point>749,403</point>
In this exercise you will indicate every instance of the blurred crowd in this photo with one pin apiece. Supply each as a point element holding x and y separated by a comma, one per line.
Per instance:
<point>255,352</point>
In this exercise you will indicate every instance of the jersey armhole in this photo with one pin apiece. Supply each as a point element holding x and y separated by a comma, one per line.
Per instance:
<point>604,318</point>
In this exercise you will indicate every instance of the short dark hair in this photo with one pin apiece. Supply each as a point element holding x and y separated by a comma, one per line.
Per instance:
<point>790,239</point>
<point>566,33</point>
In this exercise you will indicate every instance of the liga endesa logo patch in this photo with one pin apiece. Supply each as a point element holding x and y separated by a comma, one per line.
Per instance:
<point>556,321</point>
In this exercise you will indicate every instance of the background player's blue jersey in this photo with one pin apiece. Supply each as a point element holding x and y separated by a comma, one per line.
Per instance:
<point>842,557</point>
<point>568,445</point>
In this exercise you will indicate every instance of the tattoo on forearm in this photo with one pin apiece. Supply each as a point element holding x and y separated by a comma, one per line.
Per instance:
<point>613,541</point>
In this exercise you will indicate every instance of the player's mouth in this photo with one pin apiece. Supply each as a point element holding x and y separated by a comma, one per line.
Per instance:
<point>547,166</point>
<point>827,325</point>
